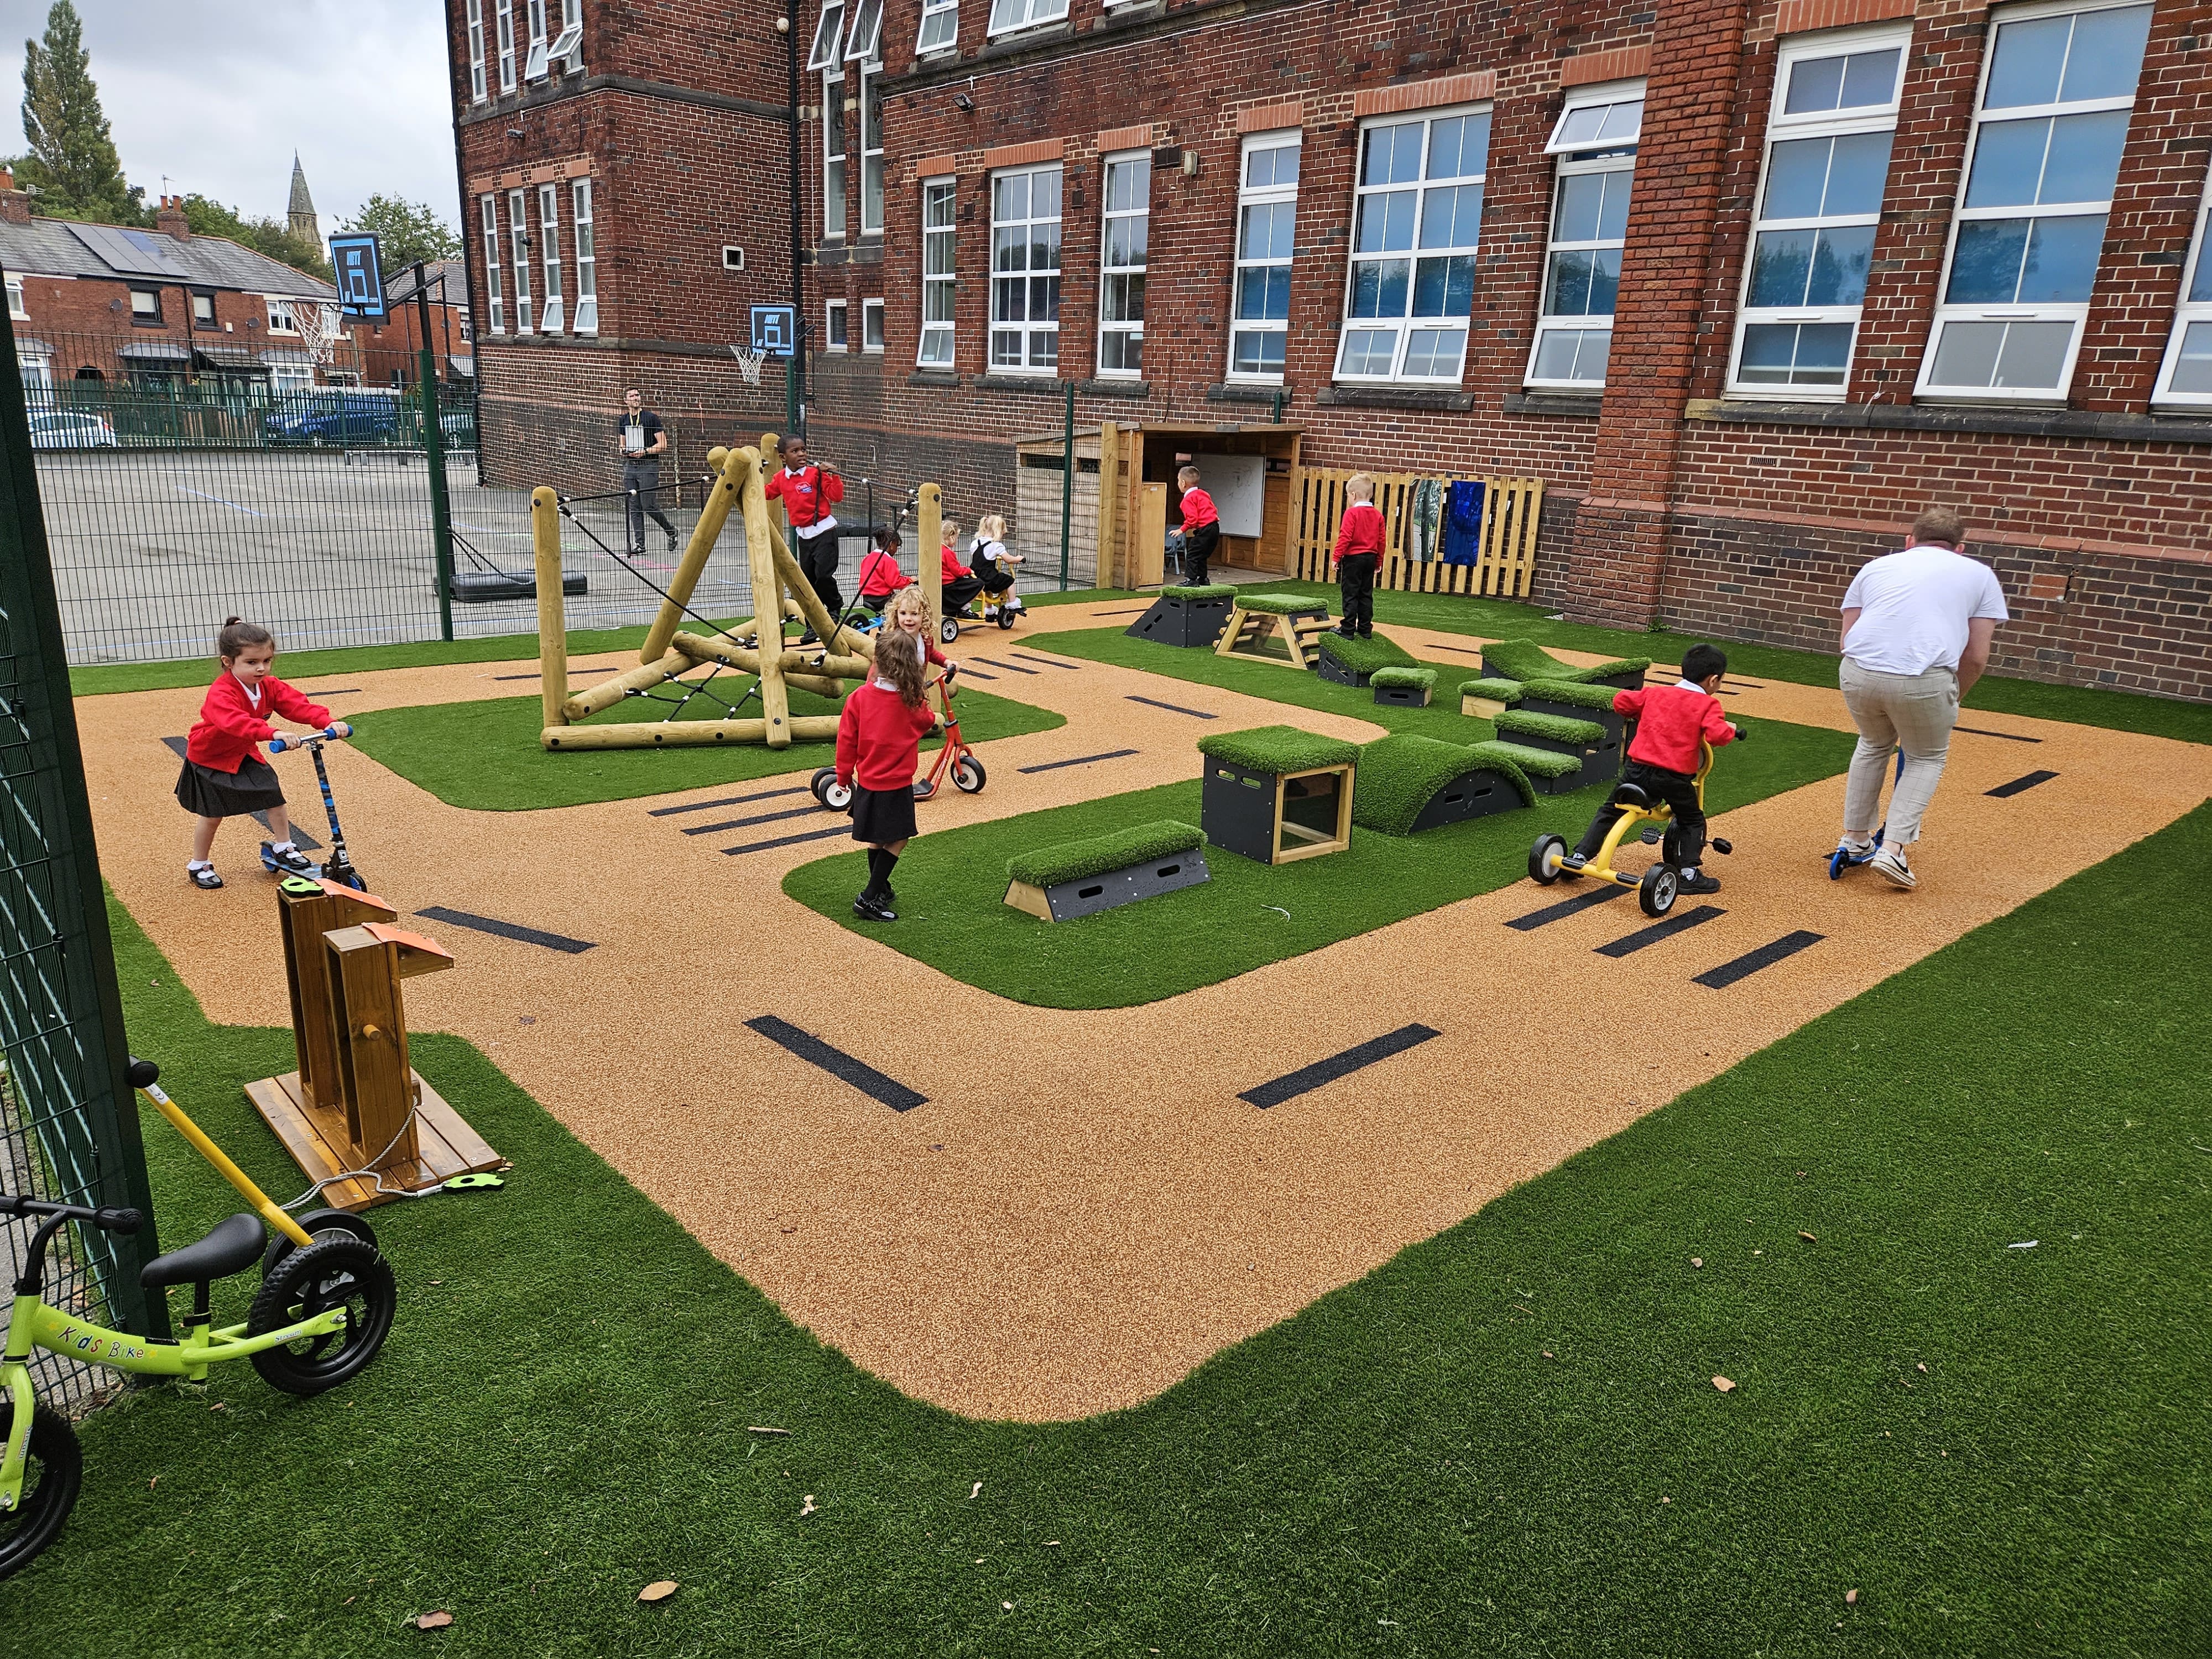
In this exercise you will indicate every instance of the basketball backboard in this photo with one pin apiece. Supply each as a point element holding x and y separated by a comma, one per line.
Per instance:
<point>775,330</point>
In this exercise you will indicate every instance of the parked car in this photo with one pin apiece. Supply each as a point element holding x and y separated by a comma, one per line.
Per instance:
<point>334,417</point>
<point>61,429</point>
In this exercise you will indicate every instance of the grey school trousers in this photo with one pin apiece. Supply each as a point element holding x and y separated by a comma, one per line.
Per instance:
<point>1913,712</point>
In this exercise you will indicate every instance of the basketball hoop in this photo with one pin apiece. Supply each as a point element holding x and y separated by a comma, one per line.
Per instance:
<point>749,364</point>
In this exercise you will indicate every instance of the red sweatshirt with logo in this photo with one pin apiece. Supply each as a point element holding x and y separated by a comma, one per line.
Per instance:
<point>1670,719</point>
<point>223,739</point>
<point>879,738</point>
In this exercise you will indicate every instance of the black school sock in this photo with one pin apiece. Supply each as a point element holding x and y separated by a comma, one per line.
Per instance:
<point>880,861</point>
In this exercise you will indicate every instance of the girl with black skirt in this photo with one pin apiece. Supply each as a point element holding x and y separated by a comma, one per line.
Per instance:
<point>224,775</point>
<point>878,739</point>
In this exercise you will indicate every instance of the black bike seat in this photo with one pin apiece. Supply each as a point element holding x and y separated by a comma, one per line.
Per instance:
<point>230,1247</point>
<point>1631,794</point>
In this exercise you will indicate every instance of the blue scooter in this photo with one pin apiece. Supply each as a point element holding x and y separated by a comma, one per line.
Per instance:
<point>337,867</point>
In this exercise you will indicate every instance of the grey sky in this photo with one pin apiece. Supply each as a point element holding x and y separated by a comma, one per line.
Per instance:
<point>218,94</point>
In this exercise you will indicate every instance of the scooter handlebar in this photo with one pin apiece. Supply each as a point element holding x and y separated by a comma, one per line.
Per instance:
<point>336,729</point>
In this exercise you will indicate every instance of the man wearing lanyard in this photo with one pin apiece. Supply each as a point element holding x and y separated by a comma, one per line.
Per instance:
<point>642,440</point>
<point>807,494</point>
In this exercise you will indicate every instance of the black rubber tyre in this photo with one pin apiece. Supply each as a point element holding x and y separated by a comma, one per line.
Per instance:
<point>1006,618</point>
<point>335,1271</point>
<point>949,631</point>
<point>319,1225</point>
<point>1671,844</point>
<point>968,775</point>
<point>1656,891</point>
<point>50,1486</point>
<point>1544,859</point>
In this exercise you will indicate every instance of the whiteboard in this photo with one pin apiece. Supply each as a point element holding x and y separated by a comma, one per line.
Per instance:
<point>1238,484</point>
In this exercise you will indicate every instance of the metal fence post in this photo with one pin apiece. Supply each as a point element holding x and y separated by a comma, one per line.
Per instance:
<point>1068,482</point>
<point>434,455</point>
<point>62,1028</point>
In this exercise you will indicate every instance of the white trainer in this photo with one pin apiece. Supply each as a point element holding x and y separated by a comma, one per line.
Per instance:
<point>1890,865</point>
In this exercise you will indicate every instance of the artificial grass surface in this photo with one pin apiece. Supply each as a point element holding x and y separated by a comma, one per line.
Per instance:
<point>1464,1452</point>
<point>1399,775</point>
<point>1559,728</point>
<point>952,916</point>
<point>1278,748</point>
<point>1284,604</point>
<point>1505,692</point>
<point>487,756</point>
<point>1526,660</point>
<point>1404,678</point>
<point>1047,867</point>
<point>1364,656</point>
<point>1574,694</point>
<point>1536,763</point>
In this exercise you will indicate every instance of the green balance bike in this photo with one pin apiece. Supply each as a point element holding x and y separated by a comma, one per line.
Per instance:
<point>323,1311</point>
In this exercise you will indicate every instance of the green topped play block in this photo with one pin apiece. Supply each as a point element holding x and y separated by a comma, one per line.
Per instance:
<point>1486,699</point>
<point>1572,693</point>
<point>1554,728</point>
<point>1524,659</point>
<point>1079,879</point>
<point>1409,783</point>
<point>1072,860</point>
<point>1353,661</point>
<point>1403,686</point>
<point>1278,748</point>
<point>1281,605</point>
<point>1277,794</point>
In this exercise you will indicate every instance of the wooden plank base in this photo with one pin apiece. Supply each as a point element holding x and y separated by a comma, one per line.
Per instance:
<point>444,1144</point>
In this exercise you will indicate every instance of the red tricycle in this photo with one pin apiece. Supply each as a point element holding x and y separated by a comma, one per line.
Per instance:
<point>956,757</point>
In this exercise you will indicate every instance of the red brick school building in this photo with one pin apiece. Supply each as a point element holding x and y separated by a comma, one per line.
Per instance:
<point>1744,285</point>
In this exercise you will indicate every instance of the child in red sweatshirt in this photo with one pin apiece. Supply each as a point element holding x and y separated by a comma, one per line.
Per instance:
<point>1359,550</point>
<point>879,738</point>
<point>880,575</point>
<point>1663,759</point>
<point>1201,528</point>
<point>224,775</point>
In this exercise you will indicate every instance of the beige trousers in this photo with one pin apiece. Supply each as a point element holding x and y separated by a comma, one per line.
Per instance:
<point>1913,712</point>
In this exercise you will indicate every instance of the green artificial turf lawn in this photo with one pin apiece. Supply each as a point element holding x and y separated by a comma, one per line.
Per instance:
<point>1401,774</point>
<point>951,891</point>
<point>1526,660</point>
<point>487,756</point>
<point>1536,763</point>
<point>1072,860</point>
<point>1464,1452</point>
<point>1278,748</point>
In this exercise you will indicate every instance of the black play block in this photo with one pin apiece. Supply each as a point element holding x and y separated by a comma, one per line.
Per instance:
<point>1535,703</point>
<point>1089,895</point>
<point>1336,673</point>
<point>1474,794</point>
<point>1600,761</point>
<point>1175,620</point>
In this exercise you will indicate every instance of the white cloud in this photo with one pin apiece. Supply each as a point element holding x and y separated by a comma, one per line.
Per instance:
<point>216,95</point>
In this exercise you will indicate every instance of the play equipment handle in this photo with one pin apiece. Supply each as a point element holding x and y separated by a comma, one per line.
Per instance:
<point>332,732</point>
<point>111,1219</point>
<point>142,1075</point>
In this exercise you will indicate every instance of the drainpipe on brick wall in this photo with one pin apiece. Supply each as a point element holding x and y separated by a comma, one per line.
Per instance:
<point>1068,482</point>
<point>794,389</point>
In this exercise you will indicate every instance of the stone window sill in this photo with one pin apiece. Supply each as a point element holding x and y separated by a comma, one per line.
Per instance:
<point>1395,397</point>
<point>1115,388</point>
<point>1986,421</point>
<point>1041,385</point>
<point>1551,403</point>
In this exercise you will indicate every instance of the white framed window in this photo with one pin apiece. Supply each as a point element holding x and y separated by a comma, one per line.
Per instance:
<point>871,154</point>
<point>203,308</point>
<point>1025,270</point>
<point>16,308</point>
<point>872,324</point>
<point>938,197</point>
<point>1267,219</point>
<point>1596,143</point>
<point>829,33</point>
<point>502,16</point>
<point>1820,199</point>
<point>476,52</point>
<point>2058,87</point>
<point>941,27</point>
<point>280,320</point>
<point>2185,380</point>
<point>519,228</point>
<point>287,379</point>
<point>862,45</point>
<point>1008,16</point>
<point>588,259</point>
<point>1122,254</point>
<point>1416,217</point>
<point>834,336</point>
<point>833,156</point>
<point>534,65</point>
<point>38,377</point>
<point>490,205</point>
<point>549,317</point>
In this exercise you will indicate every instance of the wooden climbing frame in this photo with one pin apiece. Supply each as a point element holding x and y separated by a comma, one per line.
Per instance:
<point>1247,634</point>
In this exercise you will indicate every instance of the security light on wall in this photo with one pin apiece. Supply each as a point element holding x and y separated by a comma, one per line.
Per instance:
<point>734,258</point>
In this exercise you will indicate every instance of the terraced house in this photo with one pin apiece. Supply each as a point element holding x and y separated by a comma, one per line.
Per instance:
<point>1743,283</point>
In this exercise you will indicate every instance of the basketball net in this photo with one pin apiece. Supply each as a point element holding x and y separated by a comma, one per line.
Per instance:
<point>749,364</point>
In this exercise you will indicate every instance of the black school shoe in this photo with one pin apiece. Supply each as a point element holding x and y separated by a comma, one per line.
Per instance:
<point>291,859</point>
<point>1701,883</point>
<point>869,908</point>
<point>205,879</point>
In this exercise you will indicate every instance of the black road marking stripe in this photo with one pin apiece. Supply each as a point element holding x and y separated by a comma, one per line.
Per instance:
<point>1462,650</point>
<point>1982,731</point>
<point>1307,1078</point>
<point>1666,928</point>
<point>1565,907</point>
<point>1080,760</point>
<point>300,838</point>
<point>573,673</point>
<point>1072,667</point>
<point>559,942</point>
<point>788,841</point>
<point>1011,667</point>
<point>839,1064</point>
<point>1101,616</point>
<point>1173,708</point>
<point>335,691</point>
<point>2006,791</point>
<point>977,673</point>
<point>741,823</point>
<point>1752,961</point>
<point>726,800</point>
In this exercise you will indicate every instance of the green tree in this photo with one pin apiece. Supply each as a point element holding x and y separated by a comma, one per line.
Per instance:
<point>270,236</point>
<point>73,164</point>
<point>405,231</point>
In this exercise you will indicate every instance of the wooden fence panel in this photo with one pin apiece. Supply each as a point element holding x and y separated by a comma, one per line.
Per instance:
<point>1505,560</point>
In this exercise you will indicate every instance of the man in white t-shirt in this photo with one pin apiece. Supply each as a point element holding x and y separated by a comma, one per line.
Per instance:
<point>1917,630</point>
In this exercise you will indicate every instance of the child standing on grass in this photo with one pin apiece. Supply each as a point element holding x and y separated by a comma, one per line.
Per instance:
<point>1663,759</point>
<point>994,563</point>
<point>1359,550</point>
<point>224,775</point>
<point>878,739</point>
<point>1201,528</point>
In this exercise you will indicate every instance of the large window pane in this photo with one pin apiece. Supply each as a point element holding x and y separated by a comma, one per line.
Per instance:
<point>2062,260</point>
<point>2024,68</point>
<point>2007,163</point>
<point>1856,174</point>
<point>2085,157</point>
<point>2106,59</point>
<point>1985,269</point>
<point>2192,368</point>
<point>1839,266</point>
<point>1386,222</point>
<point>1393,154</point>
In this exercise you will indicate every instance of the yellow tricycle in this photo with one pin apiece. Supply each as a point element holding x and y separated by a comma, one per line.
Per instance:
<point>1657,887</point>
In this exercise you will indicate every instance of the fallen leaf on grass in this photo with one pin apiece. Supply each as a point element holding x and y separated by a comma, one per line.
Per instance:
<point>1806,1237</point>
<point>433,1620</point>
<point>761,1428</point>
<point>658,1590</point>
<point>1547,1353</point>
<point>1851,1598</point>
<point>1922,1367</point>
<point>1724,1385</point>
<point>806,1507</point>
<point>1052,1543</point>
<point>1005,1607</point>
<point>975,1490</point>
<point>1697,1262</point>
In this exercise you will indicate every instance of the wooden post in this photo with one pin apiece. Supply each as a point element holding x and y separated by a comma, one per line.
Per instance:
<point>607,693</point>
<point>1106,570</point>
<point>704,534</point>
<point>929,528</point>
<point>552,613</point>
<point>741,474</point>
<point>303,917</point>
<point>771,448</point>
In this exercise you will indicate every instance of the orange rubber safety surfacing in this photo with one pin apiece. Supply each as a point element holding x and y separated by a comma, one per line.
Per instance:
<point>1075,1224</point>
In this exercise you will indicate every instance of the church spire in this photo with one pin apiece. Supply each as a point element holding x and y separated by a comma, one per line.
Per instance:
<point>301,215</point>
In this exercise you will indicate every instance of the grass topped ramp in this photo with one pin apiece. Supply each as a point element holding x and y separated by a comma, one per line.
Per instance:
<point>951,883</point>
<point>486,756</point>
<point>1559,728</point>
<point>1282,604</point>
<point>1404,678</point>
<point>1209,591</point>
<point>1508,692</point>
<point>1531,762</point>
<point>1072,860</point>
<point>1401,774</point>
<point>1278,748</point>
<point>1577,693</point>
<point>1524,659</point>
<point>1364,656</point>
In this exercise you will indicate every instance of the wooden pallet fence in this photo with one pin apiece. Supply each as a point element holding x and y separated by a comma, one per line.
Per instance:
<point>1505,561</point>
